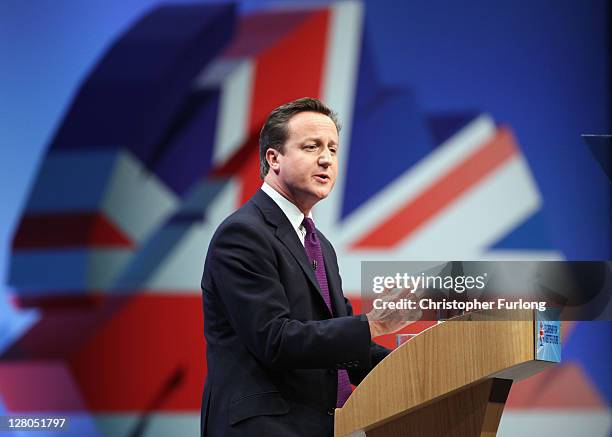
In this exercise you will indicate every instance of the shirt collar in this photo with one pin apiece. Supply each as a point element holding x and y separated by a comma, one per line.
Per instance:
<point>292,212</point>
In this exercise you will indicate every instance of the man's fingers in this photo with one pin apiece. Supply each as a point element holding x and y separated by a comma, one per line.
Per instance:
<point>389,294</point>
<point>419,293</point>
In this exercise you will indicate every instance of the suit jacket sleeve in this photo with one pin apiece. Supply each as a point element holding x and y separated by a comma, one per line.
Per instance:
<point>377,352</point>
<point>243,270</point>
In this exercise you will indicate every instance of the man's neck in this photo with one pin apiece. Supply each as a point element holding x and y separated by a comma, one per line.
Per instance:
<point>273,183</point>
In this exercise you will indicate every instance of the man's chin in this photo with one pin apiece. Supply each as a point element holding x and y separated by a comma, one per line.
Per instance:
<point>317,194</point>
<point>322,194</point>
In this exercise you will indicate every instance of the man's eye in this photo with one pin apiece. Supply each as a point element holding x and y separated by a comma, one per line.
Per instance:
<point>332,150</point>
<point>311,146</point>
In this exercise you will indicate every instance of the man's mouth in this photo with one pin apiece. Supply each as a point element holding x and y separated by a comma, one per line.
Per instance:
<point>323,178</point>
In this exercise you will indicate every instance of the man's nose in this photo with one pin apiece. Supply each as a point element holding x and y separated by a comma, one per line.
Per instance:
<point>325,158</point>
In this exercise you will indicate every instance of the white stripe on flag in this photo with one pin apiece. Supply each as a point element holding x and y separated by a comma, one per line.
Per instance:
<point>340,69</point>
<point>556,423</point>
<point>415,180</point>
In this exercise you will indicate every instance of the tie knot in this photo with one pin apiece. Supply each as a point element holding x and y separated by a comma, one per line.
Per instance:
<point>309,226</point>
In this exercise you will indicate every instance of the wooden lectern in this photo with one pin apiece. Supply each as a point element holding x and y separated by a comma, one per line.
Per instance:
<point>452,379</point>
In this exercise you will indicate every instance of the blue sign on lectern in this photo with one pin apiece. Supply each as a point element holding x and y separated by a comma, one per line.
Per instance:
<point>548,336</point>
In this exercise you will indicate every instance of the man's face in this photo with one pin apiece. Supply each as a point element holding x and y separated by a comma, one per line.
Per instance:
<point>306,169</point>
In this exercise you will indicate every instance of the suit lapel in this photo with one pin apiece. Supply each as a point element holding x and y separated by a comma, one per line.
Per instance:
<point>286,234</point>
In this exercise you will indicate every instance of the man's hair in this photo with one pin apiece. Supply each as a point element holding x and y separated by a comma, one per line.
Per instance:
<point>275,132</point>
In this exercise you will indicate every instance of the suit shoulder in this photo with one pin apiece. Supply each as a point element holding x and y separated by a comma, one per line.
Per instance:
<point>246,219</point>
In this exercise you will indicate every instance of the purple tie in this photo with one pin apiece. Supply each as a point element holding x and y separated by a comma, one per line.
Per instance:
<point>313,250</point>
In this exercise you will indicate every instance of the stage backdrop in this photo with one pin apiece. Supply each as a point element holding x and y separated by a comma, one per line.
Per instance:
<point>129,131</point>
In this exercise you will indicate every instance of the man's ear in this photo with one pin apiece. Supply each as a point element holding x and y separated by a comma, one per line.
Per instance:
<point>272,158</point>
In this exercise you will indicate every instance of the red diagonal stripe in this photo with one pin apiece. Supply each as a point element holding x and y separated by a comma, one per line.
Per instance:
<point>442,193</point>
<point>560,387</point>
<point>259,31</point>
<point>149,356</point>
<point>68,230</point>
<point>290,69</point>
<point>138,352</point>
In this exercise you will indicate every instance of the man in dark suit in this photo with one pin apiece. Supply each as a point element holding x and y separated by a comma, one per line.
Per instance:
<point>282,340</point>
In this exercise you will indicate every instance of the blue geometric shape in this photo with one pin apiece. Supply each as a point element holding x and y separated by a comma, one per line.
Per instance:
<point>189,142</point>
<point>85,175</point>
<point>197,200</point>
<point>380,154</point>
<point>369,82</point>
<point>69,271</point>
<point>601,148</point>
<point>388,136</point>
<point>145,78</point>
<point>13,322</point>
<point>531,234</point>
<point>590,344</point>
<point>444,126</point>
<point>152,254</point>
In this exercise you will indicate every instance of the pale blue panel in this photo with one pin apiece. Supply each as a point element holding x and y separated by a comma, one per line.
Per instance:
<point>152,255</point>
<point>13,322</point>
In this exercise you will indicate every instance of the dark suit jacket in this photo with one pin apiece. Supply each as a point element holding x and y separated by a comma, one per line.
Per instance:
<point>273,348</point>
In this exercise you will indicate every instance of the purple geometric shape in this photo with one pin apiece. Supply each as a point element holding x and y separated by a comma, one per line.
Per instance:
<point>189,142</point>
<point>132,96</point>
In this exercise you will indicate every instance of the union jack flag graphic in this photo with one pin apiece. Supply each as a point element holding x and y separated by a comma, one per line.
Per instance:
<point>160,144</point>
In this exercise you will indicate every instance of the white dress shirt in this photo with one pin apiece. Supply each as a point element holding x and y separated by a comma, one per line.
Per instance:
<point>292,212</point>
